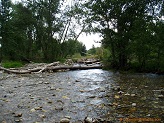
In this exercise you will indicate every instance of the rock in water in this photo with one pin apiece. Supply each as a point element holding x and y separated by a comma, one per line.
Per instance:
<point>65,120</point>
<point>134,104</point>
<point>88,120</point>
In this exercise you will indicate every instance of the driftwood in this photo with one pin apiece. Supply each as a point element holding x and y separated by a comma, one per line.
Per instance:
<point>46,66</point>
<point>15,71</point>
<point>50,67</point>
<point>89,62</point>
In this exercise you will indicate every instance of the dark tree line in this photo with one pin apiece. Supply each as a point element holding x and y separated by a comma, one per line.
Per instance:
<point>33,30</point>
<point>131,29</point>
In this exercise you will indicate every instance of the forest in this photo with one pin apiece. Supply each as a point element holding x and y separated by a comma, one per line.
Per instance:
<point>46,31</point>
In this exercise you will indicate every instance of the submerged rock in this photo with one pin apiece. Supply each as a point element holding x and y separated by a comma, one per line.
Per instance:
<point>65,120</point>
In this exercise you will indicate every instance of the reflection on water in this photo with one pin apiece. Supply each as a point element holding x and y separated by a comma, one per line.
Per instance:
<point>135,97</point>
<point>91,75</point>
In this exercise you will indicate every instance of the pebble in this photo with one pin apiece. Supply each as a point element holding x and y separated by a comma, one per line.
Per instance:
<point>93,96</point>
<point>18,115</point>
<point>68,117</point>
<point>117,88</point>
<point>46,83</point>
<point>134,104</point>
<point>88,120</point>
<point>18,120</point>
<point>160,96</point>
<point>77,80</point>
<point>4,122</point>
<point>65,120</point>
<point>49,101</point>
<point>133,95</point>
<point>42,116</point>
<point>38,108</point>
<point>120,116</point>
<point>148,115</point>
<point>33,110</point>
<point>52,88</point>
<point>127,94</point>
<point>120,92</point>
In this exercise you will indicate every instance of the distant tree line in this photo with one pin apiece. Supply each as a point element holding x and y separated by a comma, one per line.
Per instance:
<point>34,30</point>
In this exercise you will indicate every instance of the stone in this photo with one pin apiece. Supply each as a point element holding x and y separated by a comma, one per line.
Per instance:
<point>134,104</point>
<point>133,95</point>
<point>77,80</point>
<point>117,88</point>
<point>120,92</point>
<point>38,108</point>
<point>116,96</point>
<point>46,83</point>
<point>160,96</point>
<point>4,122</point>
<point>127,94</point>
<point>65,120</point>
<point>42,116</point>
<point>93,96</point>
<point>18,115</point>
<point>49,102</point>
<point>33,110</point>
<point>68,117</point>
<point>148,115</point>
<point>88,120</point>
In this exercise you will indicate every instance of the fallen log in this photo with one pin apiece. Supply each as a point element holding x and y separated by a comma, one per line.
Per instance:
<point>15,71</point>
<point>50,67</point>
<point>55,68</point>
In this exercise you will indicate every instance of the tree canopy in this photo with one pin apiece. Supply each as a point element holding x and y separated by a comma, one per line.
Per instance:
<point>33,29</point>
<point>129,30</point>
<point>45,30</point>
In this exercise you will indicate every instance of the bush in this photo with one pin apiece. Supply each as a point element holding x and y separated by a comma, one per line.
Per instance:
<point>77,56</point>
<point>12,64</point>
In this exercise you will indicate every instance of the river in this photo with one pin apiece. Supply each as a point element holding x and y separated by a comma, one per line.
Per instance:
<point>106,95</point>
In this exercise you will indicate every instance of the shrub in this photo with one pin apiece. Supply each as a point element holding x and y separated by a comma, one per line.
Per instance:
<point>12,64</point>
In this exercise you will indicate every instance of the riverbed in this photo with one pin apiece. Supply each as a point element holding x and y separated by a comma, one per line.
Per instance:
<point>75,95</point>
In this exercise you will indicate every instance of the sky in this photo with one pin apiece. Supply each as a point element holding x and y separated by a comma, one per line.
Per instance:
<point>87,40</point>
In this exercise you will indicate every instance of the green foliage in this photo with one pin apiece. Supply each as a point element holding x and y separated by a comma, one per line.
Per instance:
<point>12,64</point>
<point>77,56</point>
<point>130,31</point>
<point>28,30</point>
<point>92,50</point>
<point>72,47</point>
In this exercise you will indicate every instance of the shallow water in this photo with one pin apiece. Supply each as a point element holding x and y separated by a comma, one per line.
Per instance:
<point>49,97</point>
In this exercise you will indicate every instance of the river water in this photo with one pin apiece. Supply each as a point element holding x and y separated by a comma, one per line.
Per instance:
<point>96,93</point>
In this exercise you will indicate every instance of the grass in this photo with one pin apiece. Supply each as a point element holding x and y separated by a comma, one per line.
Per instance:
<point>12,64</point>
